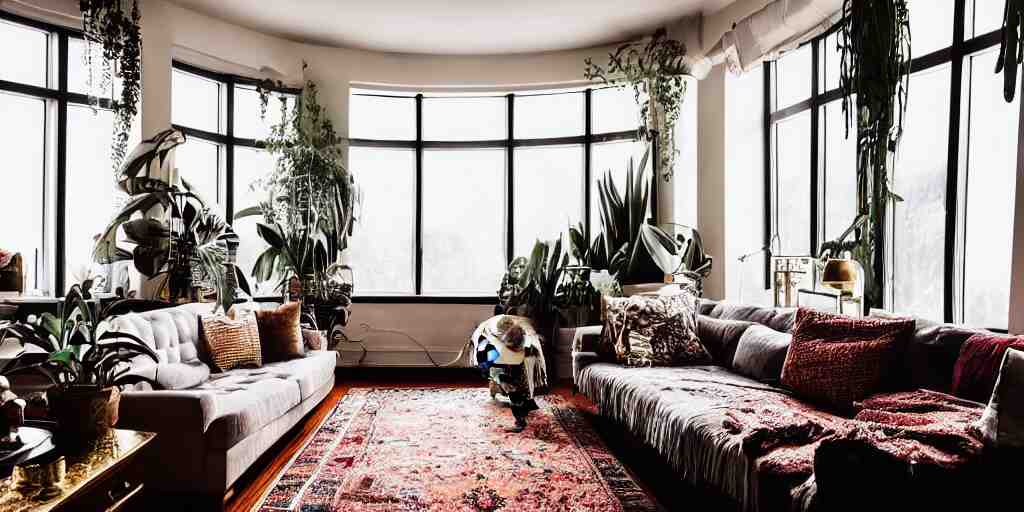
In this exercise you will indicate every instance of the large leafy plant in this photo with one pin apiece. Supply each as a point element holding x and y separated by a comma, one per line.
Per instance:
<point>874,45</point>
<point>309,210</point>
<point>112,27</point>
<point>186,245</point>
<point>655,69</point>
<point>84,352</point>
<point>530,286</point>
<point>631,248</point>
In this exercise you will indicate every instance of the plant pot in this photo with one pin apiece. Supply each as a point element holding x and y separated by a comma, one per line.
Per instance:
<point>83,414</point>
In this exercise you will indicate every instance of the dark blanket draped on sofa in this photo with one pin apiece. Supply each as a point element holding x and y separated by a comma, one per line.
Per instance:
<point>758,444</point>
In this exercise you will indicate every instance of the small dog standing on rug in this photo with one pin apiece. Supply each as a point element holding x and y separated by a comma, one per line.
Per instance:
<point>508,353</point>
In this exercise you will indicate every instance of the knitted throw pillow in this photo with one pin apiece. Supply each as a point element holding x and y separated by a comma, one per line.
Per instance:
<point>232,343</point>
<point>977,368</point>
<point>836,360</point>
<point>653,330</point>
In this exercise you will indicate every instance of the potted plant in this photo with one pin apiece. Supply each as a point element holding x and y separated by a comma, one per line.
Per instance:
<point>87,362</point>
<point>576,298</point>
<point>186,244</point>
<point>309,210</point>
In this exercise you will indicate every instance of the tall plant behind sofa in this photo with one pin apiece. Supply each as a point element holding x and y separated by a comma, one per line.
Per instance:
<point>309,209</point>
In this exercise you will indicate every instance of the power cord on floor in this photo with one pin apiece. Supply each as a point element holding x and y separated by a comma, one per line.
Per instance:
<point>368,329</point>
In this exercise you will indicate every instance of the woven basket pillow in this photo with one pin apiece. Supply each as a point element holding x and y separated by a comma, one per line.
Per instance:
<point>232,343</point>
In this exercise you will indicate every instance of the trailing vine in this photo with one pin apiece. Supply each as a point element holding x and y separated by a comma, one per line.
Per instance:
<point>1011,47</point>
<point>874,45</point>
<point>655,71</point>
<point>113,25</point>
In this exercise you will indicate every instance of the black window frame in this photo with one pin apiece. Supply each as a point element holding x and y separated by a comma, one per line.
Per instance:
<point>955,55</point>
<point>588,139</point>
<point>60,97</point>
<point>227,140</point>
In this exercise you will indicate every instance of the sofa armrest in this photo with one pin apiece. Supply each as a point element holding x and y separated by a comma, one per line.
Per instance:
<point>585,339</point>
<point>581,360</point>
<point>184,412</point>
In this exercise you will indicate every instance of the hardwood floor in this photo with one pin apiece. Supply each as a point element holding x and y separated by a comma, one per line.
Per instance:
<point>650,471</point>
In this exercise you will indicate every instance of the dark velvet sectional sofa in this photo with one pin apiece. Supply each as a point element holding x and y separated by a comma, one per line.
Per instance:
<point>752,441</point>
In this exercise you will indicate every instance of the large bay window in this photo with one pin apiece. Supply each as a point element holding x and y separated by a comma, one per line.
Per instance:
<point>456,186</point>
<point>58,176</point>
<point>222,157</point>
<point>948,246</point>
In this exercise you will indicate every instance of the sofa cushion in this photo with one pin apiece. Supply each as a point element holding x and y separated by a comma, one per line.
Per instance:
<point>977,368</point>
<point>836,360</point>
<point>311,372</point>
<point>281,332</point>
<point>172,376</point>
<point>231,343</point>
<point>721,337</point>
<point>931,352</point>
<point>655,330</point>
<point>684,413</point>
<point>780,319</point>
<point>173,333</point>
<point>761,353</point>
<point>245,400</point>
<point>1002,423</point>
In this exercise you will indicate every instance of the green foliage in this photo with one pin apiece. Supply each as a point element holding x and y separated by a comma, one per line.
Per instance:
<point>114,26</point>
<point>83,351</point>
<point>633,250</point>
<point>309,210</point>
<point>874,45</point>
<point>529,286</point>
<point>655,71</point>
<point>190,246</point>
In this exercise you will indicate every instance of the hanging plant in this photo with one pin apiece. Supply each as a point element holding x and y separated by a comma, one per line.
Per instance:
<point>113,27</point>
<point>655,70</point>
<point>874,45</point>
<point>1011,47</point>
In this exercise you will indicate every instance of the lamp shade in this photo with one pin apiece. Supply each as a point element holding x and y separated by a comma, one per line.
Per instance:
<point>840,274</point>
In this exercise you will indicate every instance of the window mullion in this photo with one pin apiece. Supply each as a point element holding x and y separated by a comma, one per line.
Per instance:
<point>510,184</point>
<point>419,195</point>
<point>60,201</point>
<point>955,192</point>
<point>588,141</point>
<point>229,156</point>
<point>817,206</point>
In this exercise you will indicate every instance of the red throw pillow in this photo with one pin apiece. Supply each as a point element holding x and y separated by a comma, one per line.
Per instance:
<point>976,370</point>
<point>836,360</point>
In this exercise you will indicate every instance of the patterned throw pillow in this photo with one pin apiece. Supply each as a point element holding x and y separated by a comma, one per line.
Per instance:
<point>645,330</point>
<point>232,343</point>
<point>836,360</point>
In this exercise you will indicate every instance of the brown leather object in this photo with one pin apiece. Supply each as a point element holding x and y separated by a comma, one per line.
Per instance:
<point>12,277</point>
<point>281,332</point>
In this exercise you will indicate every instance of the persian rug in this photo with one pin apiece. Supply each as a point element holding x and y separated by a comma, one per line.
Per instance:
<point>447,450</point>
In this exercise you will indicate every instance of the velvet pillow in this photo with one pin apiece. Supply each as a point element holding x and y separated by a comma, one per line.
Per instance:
<point>657,330</point>
<point>281,332</point>
<point>1002,423</point>
<point>836,360</point>
<point>761,353</point>
<point>976,370</point>
<point>231,343</point>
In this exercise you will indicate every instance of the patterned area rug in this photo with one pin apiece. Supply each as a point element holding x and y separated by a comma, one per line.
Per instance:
<point>447,450</point>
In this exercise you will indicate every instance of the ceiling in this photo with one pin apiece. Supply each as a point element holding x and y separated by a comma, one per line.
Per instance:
<point>472,27</point>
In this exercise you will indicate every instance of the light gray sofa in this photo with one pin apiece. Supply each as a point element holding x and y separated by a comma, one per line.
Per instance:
<point>213,426</point>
